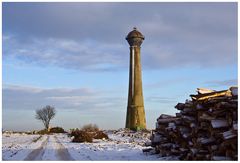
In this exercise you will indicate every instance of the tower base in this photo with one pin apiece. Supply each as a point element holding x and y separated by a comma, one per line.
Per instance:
<point>136,118</point>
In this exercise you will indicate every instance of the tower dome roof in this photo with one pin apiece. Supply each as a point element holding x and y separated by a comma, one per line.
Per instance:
<point>134,34</point>
<point>135,38</point>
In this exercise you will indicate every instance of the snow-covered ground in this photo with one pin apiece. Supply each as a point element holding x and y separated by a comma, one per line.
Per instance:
<point>18,146</point>
<point>120,146</point>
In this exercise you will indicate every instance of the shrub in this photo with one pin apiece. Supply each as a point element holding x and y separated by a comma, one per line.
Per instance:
<point>90,128</point>
<point>42,132</point>
<point>50,130</point>
<point>81,136</point>
<point>56,130</point>
<point>74,132</point>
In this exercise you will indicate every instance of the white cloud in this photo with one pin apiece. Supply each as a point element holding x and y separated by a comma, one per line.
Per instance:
<point>89,55</point>
<point>162,100</point>
<point>27,89</point>
<point>31,98</point>
<point>225,83</point>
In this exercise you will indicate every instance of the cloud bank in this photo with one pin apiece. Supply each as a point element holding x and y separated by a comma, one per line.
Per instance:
<point>17,97</point>
<point>91,36</point>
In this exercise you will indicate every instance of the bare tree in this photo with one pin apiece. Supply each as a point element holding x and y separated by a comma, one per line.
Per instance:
<point>45,115</point>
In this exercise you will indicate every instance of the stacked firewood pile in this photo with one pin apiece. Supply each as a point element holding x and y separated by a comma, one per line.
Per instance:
<point>204,129</point>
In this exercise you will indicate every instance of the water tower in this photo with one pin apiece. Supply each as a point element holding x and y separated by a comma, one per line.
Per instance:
<point>135,110</point>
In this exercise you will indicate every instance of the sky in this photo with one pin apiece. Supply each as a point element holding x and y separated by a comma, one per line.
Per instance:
<point>74,56</point>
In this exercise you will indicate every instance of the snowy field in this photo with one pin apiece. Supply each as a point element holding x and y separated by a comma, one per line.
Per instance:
<point>120,146</point>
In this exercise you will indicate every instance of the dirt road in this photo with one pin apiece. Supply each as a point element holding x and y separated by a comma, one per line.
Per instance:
<point>50,149</point>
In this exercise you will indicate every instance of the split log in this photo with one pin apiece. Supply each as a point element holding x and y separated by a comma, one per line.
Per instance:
<point>234,91</point>
<point>215,94</point>
<point>204,90</point>
<point>219,123</point>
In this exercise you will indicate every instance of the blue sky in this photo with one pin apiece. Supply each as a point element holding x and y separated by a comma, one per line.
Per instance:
<point>74,56</point>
